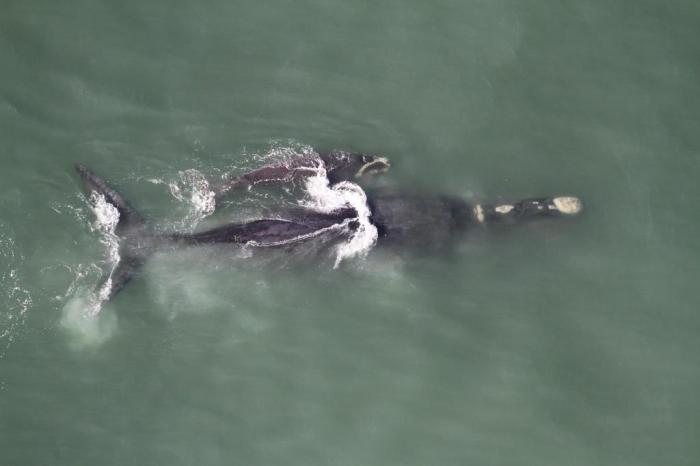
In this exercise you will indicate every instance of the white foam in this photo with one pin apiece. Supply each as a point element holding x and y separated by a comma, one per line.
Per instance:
<point>568,204</point>
<point>192,188</point>
<point>339,226</point>
<point>283,152</point>
<point>106,221</point>
<point>324,198</point>
<point>81,314</point>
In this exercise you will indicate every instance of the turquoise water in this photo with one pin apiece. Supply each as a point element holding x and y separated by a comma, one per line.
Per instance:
<point>553,343</point>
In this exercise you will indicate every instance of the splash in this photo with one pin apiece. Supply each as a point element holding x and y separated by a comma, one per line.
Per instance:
<point>192,188</point>
<point>83,303</point>
<point>82,314</point>
<point>106,221</point>
<point>326,198</point>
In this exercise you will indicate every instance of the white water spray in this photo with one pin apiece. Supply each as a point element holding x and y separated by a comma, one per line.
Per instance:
<point>325,198</point>
<point>106,221</point>
<point>192,188</point>
<point>81,313</point>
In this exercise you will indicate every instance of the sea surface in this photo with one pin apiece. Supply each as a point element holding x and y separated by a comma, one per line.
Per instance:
<point>571,342</point>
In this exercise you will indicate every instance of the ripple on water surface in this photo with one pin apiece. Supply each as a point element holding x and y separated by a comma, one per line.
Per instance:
<point>14,297</point>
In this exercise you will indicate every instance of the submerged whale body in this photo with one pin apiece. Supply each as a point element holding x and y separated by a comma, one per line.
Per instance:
<point>408,221</point>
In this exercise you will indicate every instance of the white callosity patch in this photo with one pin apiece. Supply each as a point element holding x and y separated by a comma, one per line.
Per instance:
<point>568,204</point>
<point>325,198</point>
<point>479,213</point>
<point>504,208</point>
<point>381,161</point>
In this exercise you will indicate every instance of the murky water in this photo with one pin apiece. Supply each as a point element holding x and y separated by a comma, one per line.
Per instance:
<point>570,342</point>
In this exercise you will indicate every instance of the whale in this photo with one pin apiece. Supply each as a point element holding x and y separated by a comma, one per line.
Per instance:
<point>338,165</point>
<point>403,220</point>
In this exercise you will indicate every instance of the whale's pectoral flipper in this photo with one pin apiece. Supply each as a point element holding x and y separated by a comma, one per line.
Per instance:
<point>137,242</point>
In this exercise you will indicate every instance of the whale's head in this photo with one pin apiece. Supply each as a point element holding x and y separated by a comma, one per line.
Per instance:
<point>346,166</point>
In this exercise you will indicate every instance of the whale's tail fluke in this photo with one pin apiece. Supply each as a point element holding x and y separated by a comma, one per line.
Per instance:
<point>128,216</point>
<point>136,241</point>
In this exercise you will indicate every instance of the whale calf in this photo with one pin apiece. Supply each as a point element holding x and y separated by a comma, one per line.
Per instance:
<point>338,165</point>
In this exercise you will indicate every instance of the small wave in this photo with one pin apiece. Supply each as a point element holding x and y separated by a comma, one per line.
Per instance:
<point>77,212</point>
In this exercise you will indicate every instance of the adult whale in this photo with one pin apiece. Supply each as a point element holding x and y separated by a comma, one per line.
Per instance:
<point>400,219</point>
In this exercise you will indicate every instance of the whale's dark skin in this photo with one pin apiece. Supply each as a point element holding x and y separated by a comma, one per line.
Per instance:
<point>291,227</point>
<point>401,220</point>
<point>408,221</point>
<point>339,166</point>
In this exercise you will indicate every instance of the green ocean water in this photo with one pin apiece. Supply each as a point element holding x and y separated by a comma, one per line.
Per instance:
<point>554,343</point>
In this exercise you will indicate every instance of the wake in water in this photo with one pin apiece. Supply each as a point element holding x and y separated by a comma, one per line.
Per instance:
<point>332,214</point>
